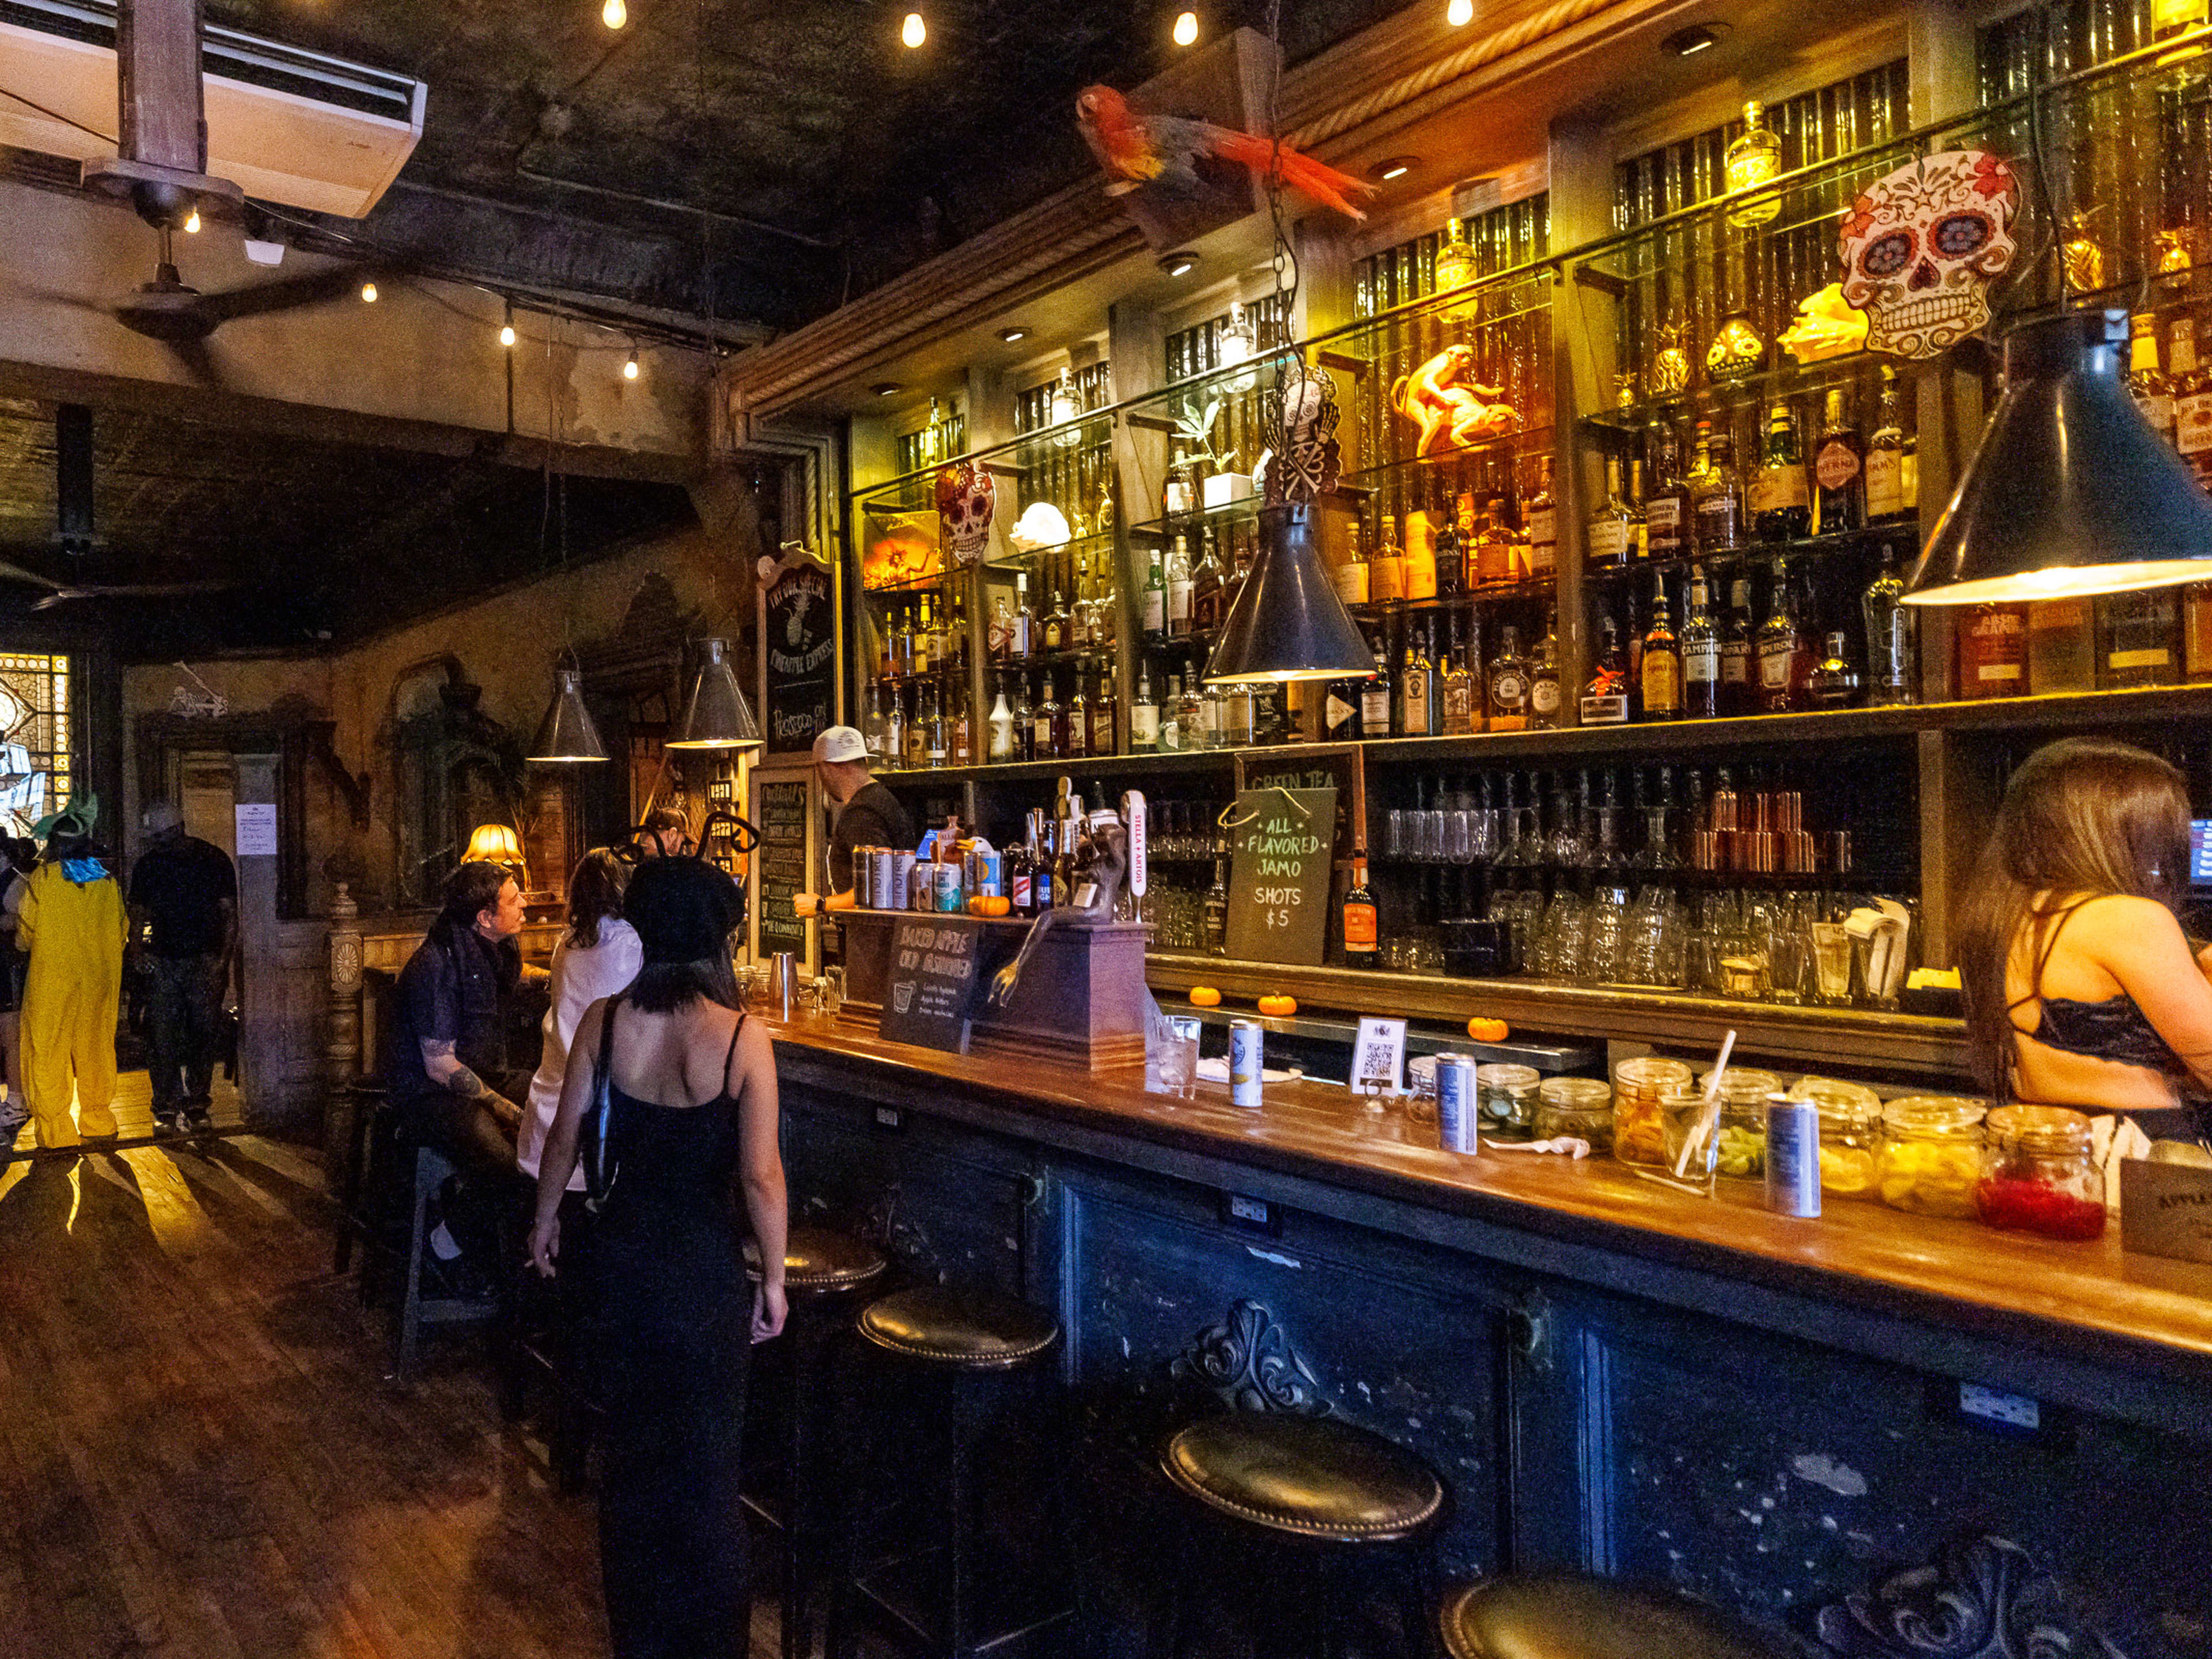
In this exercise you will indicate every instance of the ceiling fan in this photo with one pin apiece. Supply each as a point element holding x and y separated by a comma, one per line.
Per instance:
<point>59,592</point>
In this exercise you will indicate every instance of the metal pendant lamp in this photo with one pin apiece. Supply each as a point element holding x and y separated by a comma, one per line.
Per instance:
<point>1287,622</point>
<point>2071,490</point>
<point>567,735</point>
<point>718,716</point>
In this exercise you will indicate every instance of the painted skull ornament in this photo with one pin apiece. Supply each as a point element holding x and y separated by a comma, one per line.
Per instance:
<point>1922,245</point>
<point>967,499</point>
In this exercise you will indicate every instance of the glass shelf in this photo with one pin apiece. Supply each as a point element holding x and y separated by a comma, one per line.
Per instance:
<point>1904,533</point>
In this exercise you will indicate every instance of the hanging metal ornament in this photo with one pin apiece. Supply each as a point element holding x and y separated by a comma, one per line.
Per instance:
<point>1303,412</point>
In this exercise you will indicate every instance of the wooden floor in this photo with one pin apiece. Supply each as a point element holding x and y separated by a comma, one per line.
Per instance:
<point>200,1455</point>
<point>133,1107</point>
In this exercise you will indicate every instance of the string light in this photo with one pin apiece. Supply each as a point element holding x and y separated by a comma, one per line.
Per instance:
<point>1459,14</point>
<point>912,32</point>
<point>1186,28</point>
<point>629,368</point>
<point>368,293</point>
<point>192,224</point>
<point>507,334</point>
<point>613,13</point>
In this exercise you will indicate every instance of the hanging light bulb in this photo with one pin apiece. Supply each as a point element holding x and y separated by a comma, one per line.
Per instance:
<point>368,293</point>
<point>1459,14</point>
<point>629,368</point>
<point>613,13</point>
<point>507,334</point>
<point>192,224</point>
<point>913,31</point>
<point>1186,29</point>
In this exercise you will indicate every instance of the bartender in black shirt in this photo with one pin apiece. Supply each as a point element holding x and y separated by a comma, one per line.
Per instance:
<point>868,815</point>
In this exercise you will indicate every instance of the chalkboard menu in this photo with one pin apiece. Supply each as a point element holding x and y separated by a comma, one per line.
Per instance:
<point>1281,841</point>
<point>798,651</point>
<point>931,990</point>
<point>782,863</point>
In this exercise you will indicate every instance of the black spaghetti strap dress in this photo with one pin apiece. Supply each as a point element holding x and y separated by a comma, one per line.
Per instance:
<point>670,1324</point>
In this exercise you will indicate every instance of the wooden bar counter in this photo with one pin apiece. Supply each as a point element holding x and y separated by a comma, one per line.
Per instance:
<point>1611,1374</point>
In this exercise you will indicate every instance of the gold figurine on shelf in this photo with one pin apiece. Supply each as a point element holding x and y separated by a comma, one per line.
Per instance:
<point>1736,349</point>
<point>1451,409</point>
<point>1624,389</point>
<point>1826,327</point>
<point>2173,257</point>
<point>1670,369</point>
<point>2082,254</point>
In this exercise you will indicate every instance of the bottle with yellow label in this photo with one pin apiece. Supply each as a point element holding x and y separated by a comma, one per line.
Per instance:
<point>1386,575</point>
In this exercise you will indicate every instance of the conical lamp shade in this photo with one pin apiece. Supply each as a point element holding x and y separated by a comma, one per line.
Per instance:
<point>717,716</point>
<point>2071,490</point>
<point>567,734</point>
<point>1287,622</point>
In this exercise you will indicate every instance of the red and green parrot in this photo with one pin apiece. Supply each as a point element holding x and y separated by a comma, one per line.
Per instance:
<point>1135,150</point>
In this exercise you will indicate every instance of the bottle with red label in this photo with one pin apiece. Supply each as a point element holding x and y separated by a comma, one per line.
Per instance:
<point>1993,652</point>
<point>1838,471</point>
<point>1361,928</point>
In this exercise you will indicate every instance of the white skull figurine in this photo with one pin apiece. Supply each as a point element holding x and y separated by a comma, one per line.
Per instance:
<point>967,499</point>
<point>1922,245</point>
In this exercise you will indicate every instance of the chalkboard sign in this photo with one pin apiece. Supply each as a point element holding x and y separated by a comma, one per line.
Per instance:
<point>1279,874</point>
<point>781,862</point>
<point>798,651</point>
<point>933,982</point>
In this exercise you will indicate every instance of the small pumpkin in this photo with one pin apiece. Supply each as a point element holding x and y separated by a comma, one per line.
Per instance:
<point>1488,1030</point>
<point>1279,1007</point>
<point>1205,996</point>
<point>989,904</point>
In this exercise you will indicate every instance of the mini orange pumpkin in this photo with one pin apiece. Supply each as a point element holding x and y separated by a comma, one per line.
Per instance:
<point>1279,1007</point>
<point>989,904</point>
<point>1205,996</point>
<point>1488,1030</point>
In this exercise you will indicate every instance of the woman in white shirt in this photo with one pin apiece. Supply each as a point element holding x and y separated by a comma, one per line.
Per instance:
<point>598,956</point>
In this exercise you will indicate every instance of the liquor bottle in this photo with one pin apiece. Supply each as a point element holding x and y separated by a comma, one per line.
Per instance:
<point>1493,548</point>
<point>1362,935</point>
<point>2062,649</point>
<point>2197,632</point>
<point>1172,736</point>
<point>1754,160</point>
<point>1041,863</point>
<point>963,729</point>
<point>2192,400</point>
<point>1780,644</point>
<point>928,642</point>
<point>1214,912</point>
<point>1387,579</point>
<point>1739,652</point>
<point>895,730</point>
<point>1105,714</point>
<point>1610,539</point>
<point>871,721</point>
<point>1458,689</point>
<point>1781,503</point>
<point>938,729</point>
<point>1416,711</point>
<point>1143,714</point>
<point>1543,523</point>
<point>1661,668</point>
<point>1544,678</point>
<point>1885,458</point>
<point>1208,589</point>
<point>1340,712</point>
<point>1056,623</point>
<point>1176,495</point>
<point>917,732</point>
<point>1993,652</point>
<point>900,633</point>
<point>1833,684</point>
<point>1179,587</point>
<point>1001,723</point>
<point>1375,700</point>
<point>1021,639</point>
<point>1155,618</point>
<point>1509,683</point>
<point>1231,727</point>
<point>1639,531</point>
<point>1018,704</point>
<point>1452,542</point>
<point>1892,633</point>
<point>1666,509</point>
<point>1605,699</point>
<point>1716,500</point>
<point>2147,381</point>
<point>1066,838</point>
<point>1075,720</point>
<point>1351,578</point>
<point>1838,471</point>
<point>1420,557</point>
<point>1020,871</point>
<point>1047,733</point>
<point>2137,638</point>
<point>1701,652</point>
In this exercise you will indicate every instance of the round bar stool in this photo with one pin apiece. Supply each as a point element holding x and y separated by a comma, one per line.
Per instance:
<point>822,1269</point>
<point>1570,1616</point>
<point>1327,1492</point>
<point>948,1355</point>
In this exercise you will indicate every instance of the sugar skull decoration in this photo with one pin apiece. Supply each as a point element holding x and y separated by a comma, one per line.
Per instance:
<point>967,499</point>
<point>1922,245</point>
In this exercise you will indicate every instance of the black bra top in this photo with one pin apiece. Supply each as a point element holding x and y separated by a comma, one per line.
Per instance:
<point>2112,1028</point>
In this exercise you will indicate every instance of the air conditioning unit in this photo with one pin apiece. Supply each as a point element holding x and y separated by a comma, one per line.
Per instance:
<point>288,126</point>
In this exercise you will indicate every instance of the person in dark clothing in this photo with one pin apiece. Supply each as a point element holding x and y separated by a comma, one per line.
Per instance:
<point>447,1069</point>
<point>184,921</point>
<point>868,815</point>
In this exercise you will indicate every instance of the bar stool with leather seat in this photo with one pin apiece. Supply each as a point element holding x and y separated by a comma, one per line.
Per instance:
<point>1336,1499</point>
<point>945,1360</point>
<point>821,1271</point>
<point>1570,1616</point>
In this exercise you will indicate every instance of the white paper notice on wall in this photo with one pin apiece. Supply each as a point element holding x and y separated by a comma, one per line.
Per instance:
<point>257,828</point>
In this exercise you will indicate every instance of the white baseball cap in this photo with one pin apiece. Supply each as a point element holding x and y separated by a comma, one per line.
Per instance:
<point>161,818</point>
<point>841,742</point>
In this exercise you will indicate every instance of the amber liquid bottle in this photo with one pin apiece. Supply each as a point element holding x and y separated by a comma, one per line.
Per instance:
<point>1362,929</point>
<point>1993,652</point>
<point>1661,668</point>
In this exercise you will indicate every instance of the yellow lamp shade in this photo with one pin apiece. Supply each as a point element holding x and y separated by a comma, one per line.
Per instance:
<point>494,843</point>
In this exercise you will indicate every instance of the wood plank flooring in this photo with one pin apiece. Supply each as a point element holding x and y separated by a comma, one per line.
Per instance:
<point>200,1457</point>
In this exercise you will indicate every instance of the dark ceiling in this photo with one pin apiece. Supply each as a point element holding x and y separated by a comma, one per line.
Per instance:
<point>325,542</point>
<point>834,156</point>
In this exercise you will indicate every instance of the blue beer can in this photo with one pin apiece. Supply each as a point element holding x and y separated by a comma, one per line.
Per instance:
<point>1457,1112</point>
<point>1793,1155</point>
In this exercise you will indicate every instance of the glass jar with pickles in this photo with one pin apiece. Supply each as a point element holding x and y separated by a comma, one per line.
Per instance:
<point>1931,1155</point>
<point>2040,1173</point>
<point>1507,1095</point>
<point>1579,1106</point>
<point>1851,1134</point>
<point>1742,1148</point>
<point>1639,1133</point>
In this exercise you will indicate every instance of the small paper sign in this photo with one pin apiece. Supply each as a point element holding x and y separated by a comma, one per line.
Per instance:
<point>1378,1057</point>
<point>2166,1209</point>
<point>256,829</point>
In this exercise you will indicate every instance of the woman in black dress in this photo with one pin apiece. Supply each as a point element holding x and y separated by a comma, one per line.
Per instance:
<point>669,1323</point>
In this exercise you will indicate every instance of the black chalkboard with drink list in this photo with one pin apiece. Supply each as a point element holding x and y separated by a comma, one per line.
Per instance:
<point>1279,866</point>
<point>929,996</point>
<point>798,651</point>
<point>782,864</point>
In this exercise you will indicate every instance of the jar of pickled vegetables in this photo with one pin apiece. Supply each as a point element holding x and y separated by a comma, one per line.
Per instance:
<point>2039,1174</point>
<point>1577,1106</point>
<point>1639,1134</point>
<point>1507,1095</point>
<point>1743,1092</point>
<point>1851,1134</point>
<point>1932,1154</point>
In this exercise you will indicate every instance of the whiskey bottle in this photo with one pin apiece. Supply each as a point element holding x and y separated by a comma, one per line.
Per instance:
<point>1046,730</point>
<point>923,650</point>
<point>1459,716</point>
<point>2062,649</point>
<point>1177,496</point>
<point>2138,640</point>
<point>1781,503</point>
<point>1387,579</point>
<point>1701,652</point>
<point>1024,721</point>
<point>2147,381</point>
<point>1780,644</point>
<point>1208,589</point>
<point>963,730</point>
<point>1143,714</point>
<point>1417,709</point>
<point>1739,651</point>
<point>1420,558</point>
<point>1076,717</point>
<point>1661,668</point>
<point>1993,652</point>
<point>917,731</point>
<point>1021,636</point>
<point>1838,471</point>
<point>1493,548</point>
<point>1056,623</point>
<point>1214,912</point>
<point>2192,400</point>
<point>1105,714</point>
<point>1885,458</point>
<point>1605,699</point>
<point>1362,941</point>
<point>1351,578</point>
<point>1892,634</point>
<point>1340,712</point>
<point>1544,678</point>
<point>1179,588</point>
<point>1224,714</point>
<point>1509,683</point>
<point>1639,532</point>
<point>1452,542</point>
<point>1611,527</point>
<point>1155,619</point>
<point>1375,699</point>
<point>1543,524</point>
<point>1716,501</point>
<point>1834,682</point>
<point>1666,511</point>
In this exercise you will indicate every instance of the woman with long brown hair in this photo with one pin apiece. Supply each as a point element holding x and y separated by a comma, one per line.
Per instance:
<point>2082,989</point>
<point>596,956</point>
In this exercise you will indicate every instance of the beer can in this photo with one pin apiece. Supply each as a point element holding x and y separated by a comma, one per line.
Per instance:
<point>901,897</point>
<point>1246,1062</point>
<point>947,878</point>
<point>863,865</point>
<point>1793,1155</point>
<point>1458,1113</point>
<point>881,864</point>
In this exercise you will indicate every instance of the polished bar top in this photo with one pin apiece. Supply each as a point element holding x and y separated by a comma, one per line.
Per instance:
<point>2093,1295</point>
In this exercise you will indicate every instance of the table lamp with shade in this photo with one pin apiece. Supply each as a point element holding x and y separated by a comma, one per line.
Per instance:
<point>497,843</point>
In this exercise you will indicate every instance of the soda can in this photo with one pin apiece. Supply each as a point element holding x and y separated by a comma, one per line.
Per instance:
<point>948,887</point>
<point>881,864</point>
<point>1246,1062</point>
<point>1793,1155</point>
<point>864,866</point>
<point>1458,1112</point>
<point>902,896</point>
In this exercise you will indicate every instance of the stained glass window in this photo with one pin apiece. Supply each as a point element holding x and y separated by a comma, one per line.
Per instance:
<point>35,733</point>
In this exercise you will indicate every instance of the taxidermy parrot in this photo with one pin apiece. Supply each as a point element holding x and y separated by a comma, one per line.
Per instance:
<point>1135,150</point>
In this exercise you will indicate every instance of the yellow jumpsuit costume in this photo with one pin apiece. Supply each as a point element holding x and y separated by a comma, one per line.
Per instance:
<point>75,934</point>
